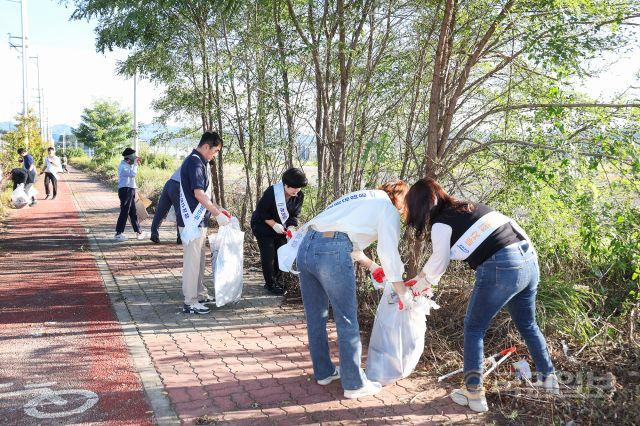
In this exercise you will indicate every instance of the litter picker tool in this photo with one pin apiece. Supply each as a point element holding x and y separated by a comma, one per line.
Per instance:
<point>495,360</point>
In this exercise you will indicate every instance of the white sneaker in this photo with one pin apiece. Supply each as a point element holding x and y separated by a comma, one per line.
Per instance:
<point>475,400</point>
<point>141,236</point>
<point>369,388</point>
<point>195,308</point>
<point>550,384</point>
<point>331,378</point>
<point>120,237</point>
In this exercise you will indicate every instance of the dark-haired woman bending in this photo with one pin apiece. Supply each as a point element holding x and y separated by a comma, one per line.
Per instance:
<point>507,274</point>
<point>273,221</point>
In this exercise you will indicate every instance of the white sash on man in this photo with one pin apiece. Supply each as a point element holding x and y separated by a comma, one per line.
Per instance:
<point>288,252</point>
<point>476,234</point>
<point>192,220</point>
<point>281,203</point>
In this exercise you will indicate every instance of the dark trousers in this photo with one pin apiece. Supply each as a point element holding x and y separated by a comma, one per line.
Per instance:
<point>170,196</point>
<point>127,208</point>
<point>269,258</point>
<point>49,177</point>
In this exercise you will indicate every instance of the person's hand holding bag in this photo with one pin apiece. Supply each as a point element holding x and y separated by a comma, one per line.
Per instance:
<point>419,286</point>
<point>278,228</point>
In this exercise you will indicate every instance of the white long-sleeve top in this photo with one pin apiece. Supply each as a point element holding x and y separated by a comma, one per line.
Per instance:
<point>441,256</point>
<point>441,246</point>
<point>365,220</point>
<point>127,175</point>
<point>52,165</point>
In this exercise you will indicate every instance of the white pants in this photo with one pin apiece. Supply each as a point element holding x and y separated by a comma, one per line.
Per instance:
<point>193,259</point>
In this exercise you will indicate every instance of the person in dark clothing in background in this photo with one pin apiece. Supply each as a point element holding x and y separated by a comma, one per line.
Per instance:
<point>127,171</point>
<point>29,165</point>
<point>170,197</point>
<point>274,220</point>
<point>18,175</point>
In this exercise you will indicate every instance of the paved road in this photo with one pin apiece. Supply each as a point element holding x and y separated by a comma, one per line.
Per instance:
<point>58,331</point>
<point>244,364</point>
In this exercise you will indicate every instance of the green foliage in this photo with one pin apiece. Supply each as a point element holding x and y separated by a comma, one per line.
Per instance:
<point>14,139</point>
<point>106,128</point>
<point>151,174</point>
<point>159,161</point>
<point>74,152</point>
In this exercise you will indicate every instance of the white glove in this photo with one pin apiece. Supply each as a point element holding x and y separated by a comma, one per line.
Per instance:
<point>358,256</point>
<point>279,228</point>
<point>222,219</point>
<point>419,286</point>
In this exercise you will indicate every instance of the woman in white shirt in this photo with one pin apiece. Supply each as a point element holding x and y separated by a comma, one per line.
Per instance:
<point>507,275</point>
<point>335,238</point>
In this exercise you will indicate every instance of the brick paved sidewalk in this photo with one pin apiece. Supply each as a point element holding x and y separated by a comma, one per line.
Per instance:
<point>243,364</point>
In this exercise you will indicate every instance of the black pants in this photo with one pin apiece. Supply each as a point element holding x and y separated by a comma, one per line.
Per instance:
<point>170,196</point>
<point>49,177</point>
<point>127,208</point>
<point>269,258</point>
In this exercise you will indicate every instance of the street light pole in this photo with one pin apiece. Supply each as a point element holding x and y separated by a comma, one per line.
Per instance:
<point>25,82</point>
<point>135,117</point>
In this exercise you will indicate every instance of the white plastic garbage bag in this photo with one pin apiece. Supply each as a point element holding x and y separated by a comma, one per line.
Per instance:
<point>19,198</point>
<point>397,338</point>
<point>32,192</point>
<point>227,258</point>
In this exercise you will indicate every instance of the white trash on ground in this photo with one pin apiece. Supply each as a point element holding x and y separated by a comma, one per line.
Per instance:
<point>397,338</point>
<point>19,198</point>
<point>227,258</point>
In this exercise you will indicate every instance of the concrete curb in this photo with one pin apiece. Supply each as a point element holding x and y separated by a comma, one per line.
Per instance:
<point>151,382</point>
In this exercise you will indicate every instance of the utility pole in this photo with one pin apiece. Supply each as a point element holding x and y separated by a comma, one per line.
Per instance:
<point>135,118</point>
<point>25,63</point>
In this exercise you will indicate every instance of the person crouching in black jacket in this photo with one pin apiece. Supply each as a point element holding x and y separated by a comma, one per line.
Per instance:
<point>273,221</point>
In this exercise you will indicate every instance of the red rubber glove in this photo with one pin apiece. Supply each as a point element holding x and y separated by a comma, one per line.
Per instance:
<point>378,274</point>
<point>405,301</point>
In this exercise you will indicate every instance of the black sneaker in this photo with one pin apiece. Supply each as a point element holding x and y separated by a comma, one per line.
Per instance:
<point>274,289</point>
<point>155,238</point>
<point>208,301</point>
<point>195,308</point>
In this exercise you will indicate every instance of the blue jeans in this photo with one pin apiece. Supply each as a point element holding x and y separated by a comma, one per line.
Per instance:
<point>509,277</point>
<point>327,276</point>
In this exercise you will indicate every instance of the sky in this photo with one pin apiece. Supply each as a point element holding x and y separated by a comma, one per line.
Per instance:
<point>73,75</point>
